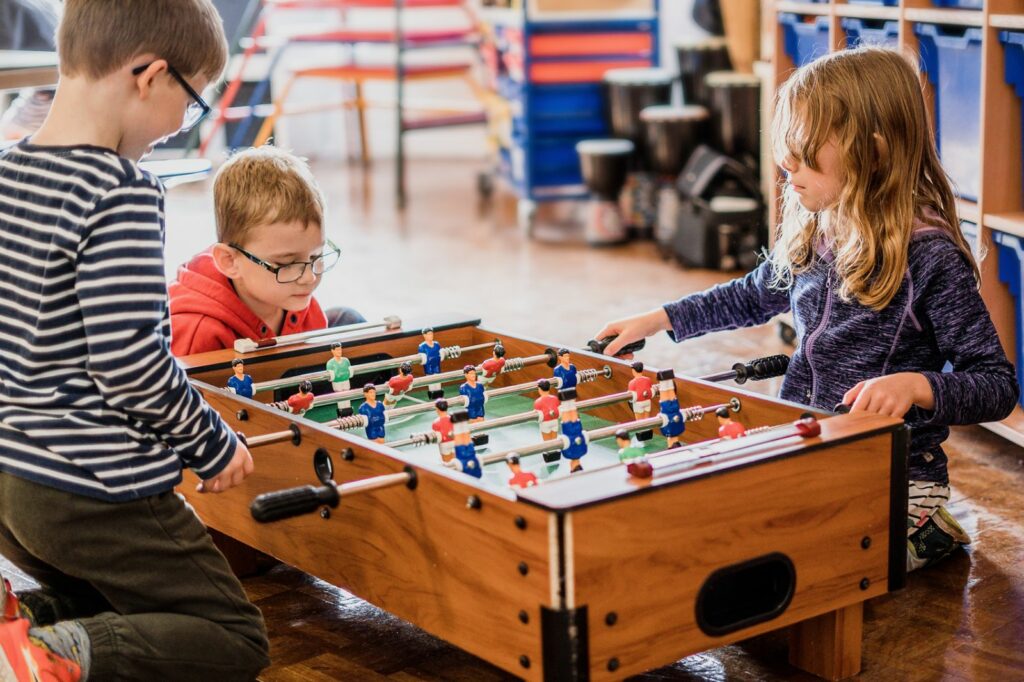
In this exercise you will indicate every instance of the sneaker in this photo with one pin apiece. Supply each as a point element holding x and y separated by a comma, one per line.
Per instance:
<point>23,659</point>
<point>8,602</point>
<point>935,539</point>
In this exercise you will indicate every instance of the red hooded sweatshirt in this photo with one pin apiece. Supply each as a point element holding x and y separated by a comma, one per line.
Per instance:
<point>206,313</point>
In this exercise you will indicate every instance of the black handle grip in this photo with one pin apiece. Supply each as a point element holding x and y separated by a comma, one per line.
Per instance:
<point>283,504</point>
<point>841,408</point>
<point>761,368</point>
<point>599,346</point>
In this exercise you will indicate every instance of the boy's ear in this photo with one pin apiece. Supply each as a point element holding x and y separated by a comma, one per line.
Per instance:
<point>225,259</point>
<point>882,150</point>
<point>144,81</point>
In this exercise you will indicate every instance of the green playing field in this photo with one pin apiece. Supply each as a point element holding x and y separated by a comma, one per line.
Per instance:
<point>502,439</point>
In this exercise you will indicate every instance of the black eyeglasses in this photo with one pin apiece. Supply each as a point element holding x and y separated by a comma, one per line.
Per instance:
<point>292,272</point>
<point>197,109</point>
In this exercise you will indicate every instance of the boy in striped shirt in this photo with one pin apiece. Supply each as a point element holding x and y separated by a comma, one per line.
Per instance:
<point>97,421</point>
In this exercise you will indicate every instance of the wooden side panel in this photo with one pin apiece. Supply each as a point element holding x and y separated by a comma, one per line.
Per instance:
<point>646,557</point>
<point>421,554</point>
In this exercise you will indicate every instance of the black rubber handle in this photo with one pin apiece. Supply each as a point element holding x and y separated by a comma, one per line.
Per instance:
<point>283,504</point>
<point>841,408</point>
<point>599,346</point>
<point>761,368</point>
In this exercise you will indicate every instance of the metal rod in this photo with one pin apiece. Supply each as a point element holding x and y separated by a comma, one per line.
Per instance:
<point>375,483</point>
<point>443,377</point>
<point>365,368</point>
<point>253,442</point>
<point>248,345</point>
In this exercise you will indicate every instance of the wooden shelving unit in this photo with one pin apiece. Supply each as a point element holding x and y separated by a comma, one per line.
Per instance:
<point>1000,205</point>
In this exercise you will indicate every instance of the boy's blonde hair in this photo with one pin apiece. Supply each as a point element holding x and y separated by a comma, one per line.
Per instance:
<point>869,101</point>
<point>264,185</point>
<point>97,37</point>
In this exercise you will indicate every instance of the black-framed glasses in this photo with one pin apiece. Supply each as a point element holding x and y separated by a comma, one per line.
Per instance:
<point>197,109</point>
<point>292,272</point>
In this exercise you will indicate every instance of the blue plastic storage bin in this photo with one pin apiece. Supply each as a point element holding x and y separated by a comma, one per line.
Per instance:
<point>951,56</point>
<point>553,161</point>
<point>871,32</point>
<point>805,38</point>
<point>572,108</point>
<point>1013,60</point>
<point>959,4</point>
<point>1011,272</point>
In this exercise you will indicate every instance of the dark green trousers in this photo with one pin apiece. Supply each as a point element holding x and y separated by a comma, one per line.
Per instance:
<point>155,595</point>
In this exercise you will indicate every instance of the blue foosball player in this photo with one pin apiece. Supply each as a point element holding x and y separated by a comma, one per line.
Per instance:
<point>565,370</point>
<point>240,383</point>
<point>474,392</point>
<point>465,453</point>
<point>430,352</point>
<point>374,413</point>
<point>670,407</point>
<point>572,429</point>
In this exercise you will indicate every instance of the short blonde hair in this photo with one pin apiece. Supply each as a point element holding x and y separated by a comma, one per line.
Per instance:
<point>97,37</point>
<point>264,185</point>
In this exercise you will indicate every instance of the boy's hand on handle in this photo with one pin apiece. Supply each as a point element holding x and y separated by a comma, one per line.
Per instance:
<point>233,474</point>
<point>891,395</point>
<point>632,329</point>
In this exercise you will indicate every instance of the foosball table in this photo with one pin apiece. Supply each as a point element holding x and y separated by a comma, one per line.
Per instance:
<point>591,551</point>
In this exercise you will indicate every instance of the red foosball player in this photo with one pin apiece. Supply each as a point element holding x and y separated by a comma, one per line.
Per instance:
<point>520,478</point>
<point>491,368</point>
<point>547,409</point>
<point>443,426</point>
<point>303,400</point>
<point>640,387</point>
<point>727,427</point>
<point>398,385</point>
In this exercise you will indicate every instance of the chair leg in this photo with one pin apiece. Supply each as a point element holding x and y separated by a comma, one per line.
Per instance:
<point>268,123</point>
<point>364,145</point>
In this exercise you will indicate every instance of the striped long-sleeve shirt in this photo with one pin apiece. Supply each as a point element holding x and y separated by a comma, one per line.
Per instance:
<point>91,400</point>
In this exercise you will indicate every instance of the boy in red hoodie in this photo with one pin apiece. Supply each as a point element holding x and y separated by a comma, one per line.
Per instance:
<point>258,280</point>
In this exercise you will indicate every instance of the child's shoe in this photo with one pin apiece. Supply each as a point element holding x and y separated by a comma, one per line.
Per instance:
<point>934,539</point>
<point>23,659</point>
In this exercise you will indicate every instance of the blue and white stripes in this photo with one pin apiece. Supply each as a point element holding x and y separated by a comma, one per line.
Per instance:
<point>91,400</point>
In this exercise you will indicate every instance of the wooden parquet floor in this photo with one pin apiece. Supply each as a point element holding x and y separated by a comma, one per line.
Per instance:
<point>960,620</point>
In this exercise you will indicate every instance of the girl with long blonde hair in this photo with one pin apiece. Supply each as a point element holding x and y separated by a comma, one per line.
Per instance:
<point>870,258</point>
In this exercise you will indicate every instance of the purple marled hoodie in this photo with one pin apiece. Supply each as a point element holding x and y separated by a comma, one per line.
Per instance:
<point>936,316</point>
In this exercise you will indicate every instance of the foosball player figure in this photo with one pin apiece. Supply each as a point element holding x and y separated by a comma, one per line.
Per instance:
<point>491,368</point>
<point>398,385</point>
<point>374,413</point>
<point>727,427</point>
<point>303,400</point>
<point>640,387</point>
<point>465,452</point>
<point>547,408</point>
<point>565,370</point>
<point>340,369</point>
<point>627,451</point>
<point>572,429</point>
<point>431,352</point>
<point>443,426</point>
<point>670,407</point>
<point>520,478</point>
<point>475,395</point>
<point>240,383</point>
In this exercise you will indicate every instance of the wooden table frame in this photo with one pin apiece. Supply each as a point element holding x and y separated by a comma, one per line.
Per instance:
<point>596,576</point>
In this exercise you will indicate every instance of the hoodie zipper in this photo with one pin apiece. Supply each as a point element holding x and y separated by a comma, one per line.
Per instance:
<point>813,336</point>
